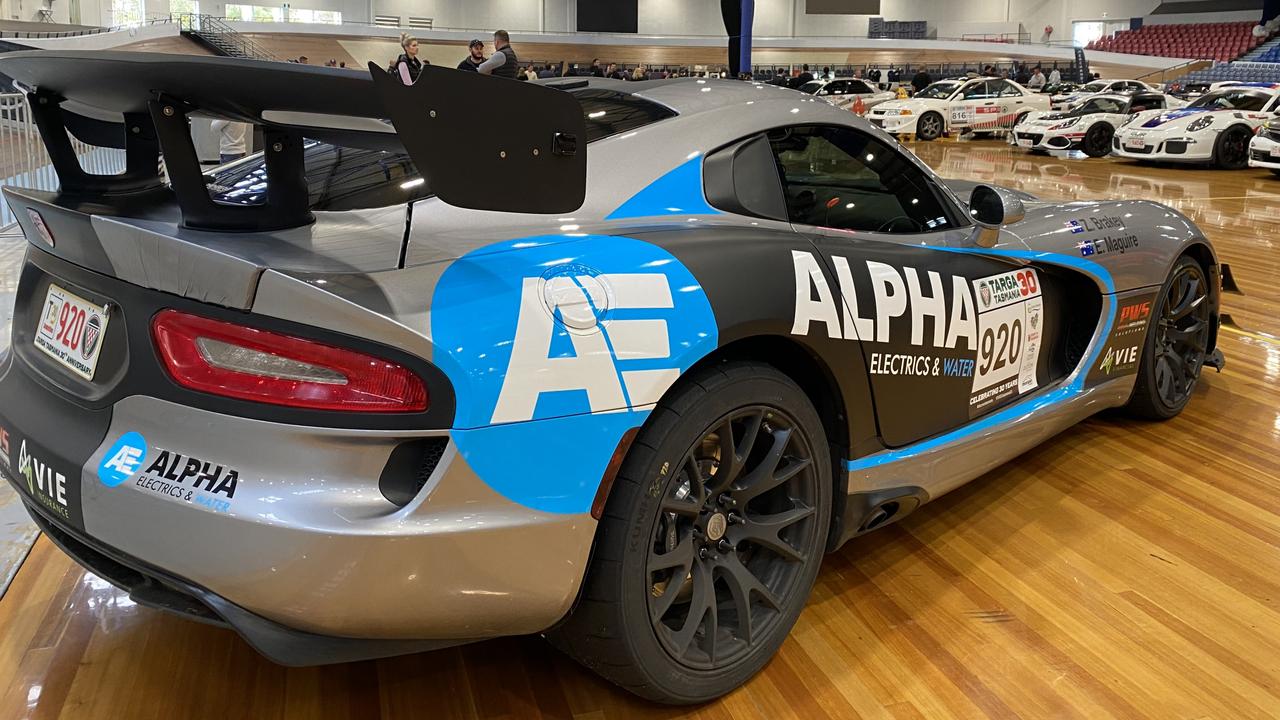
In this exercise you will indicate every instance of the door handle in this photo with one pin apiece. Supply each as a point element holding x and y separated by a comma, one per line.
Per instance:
<point>988,103</point>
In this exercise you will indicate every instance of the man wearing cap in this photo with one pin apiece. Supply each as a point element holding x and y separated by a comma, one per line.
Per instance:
<point>503,62</point>
<point>472,62</point>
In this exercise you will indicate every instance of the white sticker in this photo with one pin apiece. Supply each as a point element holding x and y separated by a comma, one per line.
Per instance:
<point>1010,323</point>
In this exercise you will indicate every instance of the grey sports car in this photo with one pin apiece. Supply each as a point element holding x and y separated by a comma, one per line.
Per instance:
<point>613,362</point>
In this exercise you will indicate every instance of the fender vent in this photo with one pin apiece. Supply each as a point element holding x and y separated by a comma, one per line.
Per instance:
<point>410,467</point>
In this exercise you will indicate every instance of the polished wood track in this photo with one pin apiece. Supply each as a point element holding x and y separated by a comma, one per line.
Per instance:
<point>1124,569</point>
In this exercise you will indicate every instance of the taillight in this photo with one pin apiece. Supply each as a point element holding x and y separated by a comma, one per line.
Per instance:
<point>231,360</point>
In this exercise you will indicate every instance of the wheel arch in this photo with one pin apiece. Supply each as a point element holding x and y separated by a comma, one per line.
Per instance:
<point>1199,250</point>
<point>819,383</point>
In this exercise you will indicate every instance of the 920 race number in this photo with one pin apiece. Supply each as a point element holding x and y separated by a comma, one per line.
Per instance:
<point>1000,346</point>
<point>71,331</point>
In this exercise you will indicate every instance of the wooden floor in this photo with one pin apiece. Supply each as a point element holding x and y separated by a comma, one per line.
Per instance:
<point>1125,569</point>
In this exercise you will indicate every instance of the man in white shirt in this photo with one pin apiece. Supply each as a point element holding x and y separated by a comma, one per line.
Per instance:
<point>231,139</point>
<point>1037,79</point>
<point>1055,77</point>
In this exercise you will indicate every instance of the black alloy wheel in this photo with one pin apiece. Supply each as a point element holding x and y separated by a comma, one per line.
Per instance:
<point>1097,142</point>
<point>1177,344</point>
<point>1232,149</point>
<point>738,524</point>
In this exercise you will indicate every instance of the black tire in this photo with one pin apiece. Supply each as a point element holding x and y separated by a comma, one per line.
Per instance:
<point>623,627</point>
<point>1176,344</point>
<point>1097,142</point>
<point>1231,150</point>
<point>930,126</point>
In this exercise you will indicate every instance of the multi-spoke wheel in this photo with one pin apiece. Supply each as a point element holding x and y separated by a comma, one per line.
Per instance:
<point>1097,142</point>
<point>1231,151</point>
<point>710,540</point>
<point>1177,343</point>
<point>929,126</point>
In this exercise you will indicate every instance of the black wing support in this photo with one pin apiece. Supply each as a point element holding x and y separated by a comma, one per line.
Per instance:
<point>467,133</point>
<point>490,143</point>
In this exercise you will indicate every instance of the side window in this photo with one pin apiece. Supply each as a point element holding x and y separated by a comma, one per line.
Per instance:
<point>838,87</point>
<point>1007,89</point>
<point>857,86</point>
<point>840,178</point>
<point>978,91</point>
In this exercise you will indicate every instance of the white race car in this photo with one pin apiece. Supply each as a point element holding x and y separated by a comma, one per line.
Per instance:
<point>982,104</point>
<point>1215,129</point>
<point>1090,125</point>
<point>1067,100</point>
<point>1264,149</point>
<point>845,92</point>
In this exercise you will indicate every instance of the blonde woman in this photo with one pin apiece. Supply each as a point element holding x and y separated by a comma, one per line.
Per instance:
<point>408,66</point>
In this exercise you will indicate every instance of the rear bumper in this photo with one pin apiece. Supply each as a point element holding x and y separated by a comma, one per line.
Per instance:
<point>156,589</point>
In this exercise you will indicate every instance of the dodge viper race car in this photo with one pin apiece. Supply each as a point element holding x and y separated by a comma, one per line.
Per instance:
<point>1216,128</point>
<point>844,93</point>
<point>1090,125</point>
<point>1065,101</point>
<point>958,105</point>
<point>619,368</point>
<point>1264,149</point>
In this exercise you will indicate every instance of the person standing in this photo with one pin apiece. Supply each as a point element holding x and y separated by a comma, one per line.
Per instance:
<point>231,139</point>
<point>475,56</point>
<point>596,70</point>
<point>1055,77</point>
<point>408,66</point>
<point>921,80</point>
<point>1037,79</point>
<point>503,62</point>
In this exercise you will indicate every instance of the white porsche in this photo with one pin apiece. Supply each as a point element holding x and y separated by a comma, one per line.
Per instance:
<point>844,93</point>
<point>1067,100</point>
<point>1090,125</point>
<point>980,105</point>
<point>1215,129</point>
<point>1264,149</point>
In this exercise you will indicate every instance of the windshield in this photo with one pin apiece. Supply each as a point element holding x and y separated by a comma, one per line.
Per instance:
<point>1232,99</point>
<point>1111,105</point>
<point>1093,87</point>
<point>938,90</point>
<point>810,88</point>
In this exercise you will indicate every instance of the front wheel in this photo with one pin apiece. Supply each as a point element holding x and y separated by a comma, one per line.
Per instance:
<point>929,126</point>
<point>1231,151</point>
<point>1097,142</point>
<point>1177,344</point>
<point>710,540</point>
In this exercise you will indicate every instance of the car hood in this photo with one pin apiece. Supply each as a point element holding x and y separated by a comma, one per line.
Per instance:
<point>1161,118</point>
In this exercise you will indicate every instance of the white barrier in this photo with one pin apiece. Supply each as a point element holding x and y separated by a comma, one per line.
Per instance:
<point>24,162</point>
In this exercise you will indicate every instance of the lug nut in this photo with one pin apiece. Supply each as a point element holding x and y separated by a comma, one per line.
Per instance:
<point>702,553</point>
<point>735,518</point>
<point>725,546</point>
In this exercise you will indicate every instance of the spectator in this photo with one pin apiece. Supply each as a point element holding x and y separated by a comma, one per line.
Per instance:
<point>1037,79</point>
<point>640,73</point>
<point>302,59</point>
<point>989,71</point>
<point>1055,77</point>
<point>596,70</point>
<point>1024,76</point>
<point>342,63</point>
<point>546,72</point>
<point>826,72</point>
<point>231,139</point>
<point>475,56</point>
<point>921,80</point>
<point>804,77</point>
<point>503,62</point>
<point>779,77</point>
<point>408,66</point>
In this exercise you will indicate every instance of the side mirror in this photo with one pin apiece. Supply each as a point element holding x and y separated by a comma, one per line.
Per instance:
<point>992,208</point>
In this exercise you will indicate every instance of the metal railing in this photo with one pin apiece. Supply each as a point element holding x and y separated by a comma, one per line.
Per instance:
<point>1177,71</point>
<point>24,162</point>
<point>41,35</point>
<point>215,32</point>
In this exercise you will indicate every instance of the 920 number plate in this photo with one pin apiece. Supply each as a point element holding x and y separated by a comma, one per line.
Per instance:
<point>71,331</point>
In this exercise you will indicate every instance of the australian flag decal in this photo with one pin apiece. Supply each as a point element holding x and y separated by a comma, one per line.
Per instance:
<point>1085,247</point>
<point>1076,227</point>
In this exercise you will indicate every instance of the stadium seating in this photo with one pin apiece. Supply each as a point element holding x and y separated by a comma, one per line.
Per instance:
<point>1202,41</point>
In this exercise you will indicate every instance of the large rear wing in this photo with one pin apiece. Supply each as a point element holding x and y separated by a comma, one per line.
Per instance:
<point>463,131</point>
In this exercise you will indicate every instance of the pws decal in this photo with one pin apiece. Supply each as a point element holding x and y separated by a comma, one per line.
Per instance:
<point>169,474</point>
<point>1123,347</point>
<point>555,348</point>
<point>986,332</point>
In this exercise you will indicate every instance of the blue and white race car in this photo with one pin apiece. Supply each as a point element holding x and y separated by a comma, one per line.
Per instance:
<point>1215,129</point>
<point>1090,125</point>
<point>620,368</point>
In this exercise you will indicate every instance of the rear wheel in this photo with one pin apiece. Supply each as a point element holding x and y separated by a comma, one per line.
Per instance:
<point>710,540</point>
<point>1097,142</point>
<point>1176,346</point>
<point>929,126</point>
<point>1231,151</point>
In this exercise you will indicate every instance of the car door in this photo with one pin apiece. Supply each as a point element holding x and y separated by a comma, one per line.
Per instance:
<point>973,102</point>
<point>946,335</point>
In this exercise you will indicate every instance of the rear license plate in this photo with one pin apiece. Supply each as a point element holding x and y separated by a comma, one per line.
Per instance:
<point>1135,142</point>
<point>71,331</point>
<point>1275,151</point>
